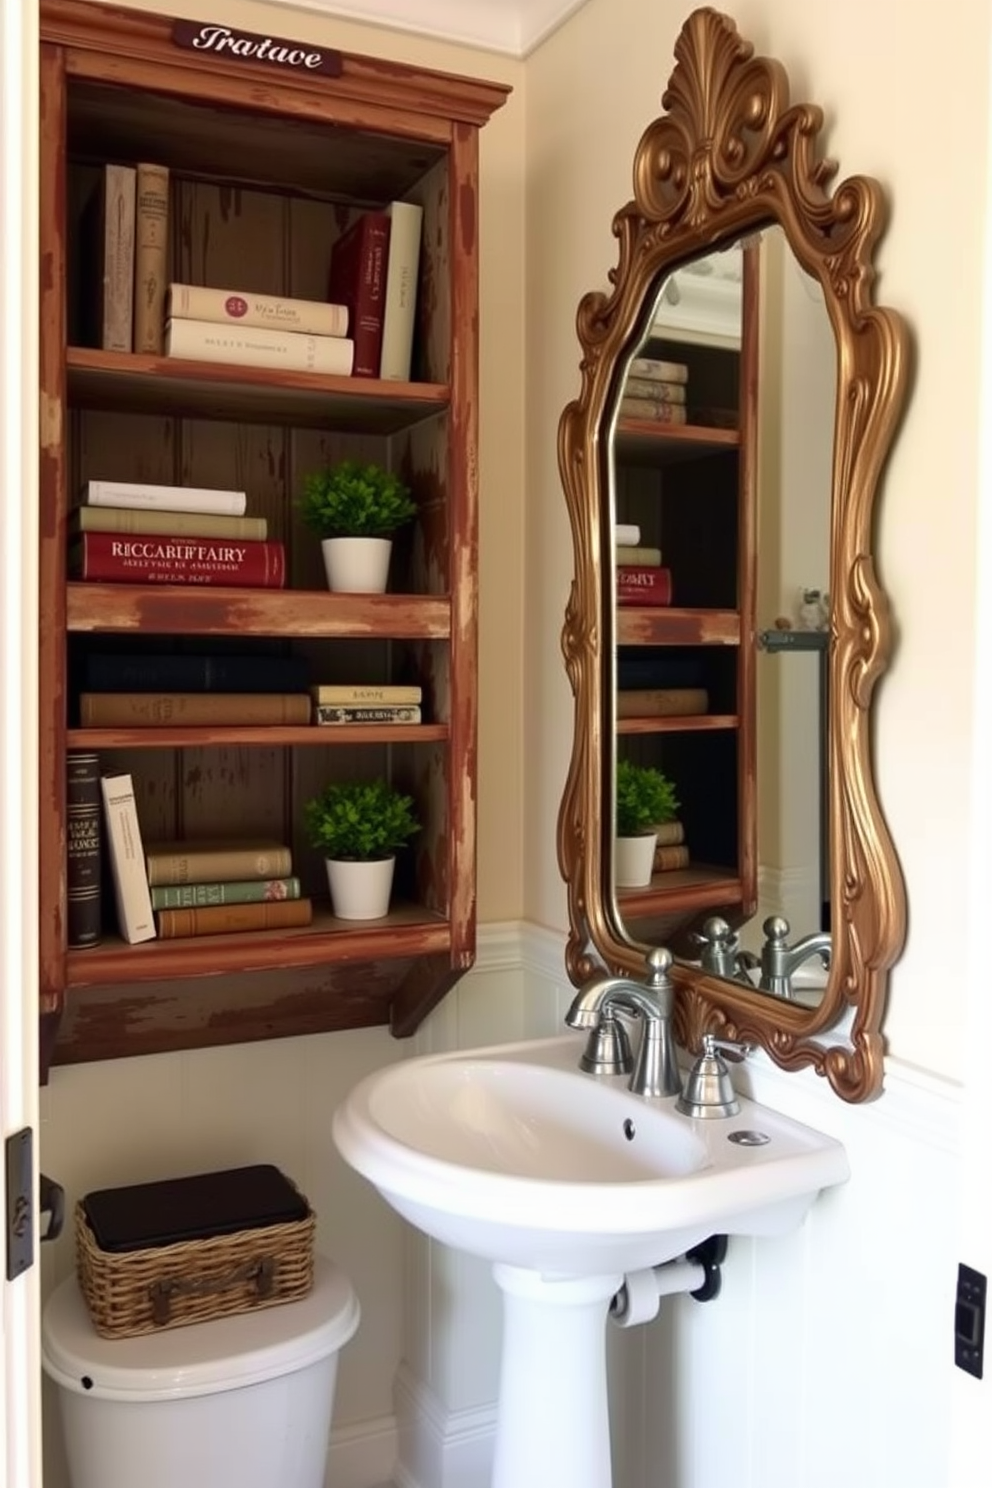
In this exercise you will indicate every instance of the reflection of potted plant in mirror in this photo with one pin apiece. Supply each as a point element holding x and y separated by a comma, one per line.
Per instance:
<point>644,799</point>
<point>359,826</point>
<point>355,509</point>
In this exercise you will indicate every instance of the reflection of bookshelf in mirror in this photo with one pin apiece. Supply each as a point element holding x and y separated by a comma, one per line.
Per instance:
<point>689,489</point>
<point>259,190</point>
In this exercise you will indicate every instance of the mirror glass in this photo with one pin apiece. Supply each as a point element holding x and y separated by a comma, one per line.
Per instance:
<point>750,607</point>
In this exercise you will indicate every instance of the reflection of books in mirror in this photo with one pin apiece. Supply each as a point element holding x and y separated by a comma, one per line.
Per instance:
<point>670,833</point>
<point>329,715</point>
<point>668,856</point>
<point>659,369</point>
<point>654,388</point>
<point>626,534</point>
<point>642,554</point>
<point>650,409</point>
<point>216,860</point>
<point>716,418</point>
<point>230,919</point>
<point>639,583</point>
<point>661,702</point>
<point>365,695</point>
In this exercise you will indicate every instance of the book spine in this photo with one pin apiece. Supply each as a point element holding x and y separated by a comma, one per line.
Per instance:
<point>165,498</point>
<point>650,408</point>
<point>113,672</point>
<point>151,249</point>
<point>639,553</point>
<point>655,389</point>
<point>637,584</point>
<point>106,558</point>
<point>234,307</point>
<point>658,369</point>
<point>134,906</point>
<point>182,864</point>
<point>83,842</point>
<point>365,697</point>
<point>400,302</point>
<point>118,257</point>
<point>192,709</point>
<point>151,522</point>
<point>670,856</point>
<point>358,280</point>
<point>626,534</point>
<point>229,919</point>
<point>670,833</point>
<point>258,346</point>
<point>661,702</point>
<point>243,891</point>
<point>329,716</point>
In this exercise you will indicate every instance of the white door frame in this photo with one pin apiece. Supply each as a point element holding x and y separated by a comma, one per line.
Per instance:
<point>20,1384</point>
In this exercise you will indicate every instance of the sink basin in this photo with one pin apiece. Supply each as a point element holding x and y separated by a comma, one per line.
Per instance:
<point>514,1154</point>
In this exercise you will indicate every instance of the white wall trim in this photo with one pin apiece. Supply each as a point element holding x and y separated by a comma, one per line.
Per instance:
<point>515,28</point>
<point>439,1448</point>
<point>362,1454</point>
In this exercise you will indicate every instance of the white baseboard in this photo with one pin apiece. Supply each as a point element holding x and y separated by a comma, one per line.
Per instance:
<point>440,1448</point>
<point>362,1454</point>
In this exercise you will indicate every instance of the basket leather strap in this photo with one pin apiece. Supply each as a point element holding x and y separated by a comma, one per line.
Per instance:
<point>161,1293</point>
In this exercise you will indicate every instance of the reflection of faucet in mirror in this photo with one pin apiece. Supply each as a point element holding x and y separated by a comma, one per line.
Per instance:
<point>721,953</point>
<point>779,960</point>
<point>656,1071</point>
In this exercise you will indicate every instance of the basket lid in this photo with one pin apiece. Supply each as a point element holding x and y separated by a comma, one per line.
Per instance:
<point>202,1358</point>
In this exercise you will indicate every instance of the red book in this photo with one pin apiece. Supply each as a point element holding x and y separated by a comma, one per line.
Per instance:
<point>117,558</point>
<point>641,583</point>
<point>358,280</point>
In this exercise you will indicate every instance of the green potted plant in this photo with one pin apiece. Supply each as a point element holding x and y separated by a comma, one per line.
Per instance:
<point>359,826</point>
<point>645,798</point>
<point>355,508</point>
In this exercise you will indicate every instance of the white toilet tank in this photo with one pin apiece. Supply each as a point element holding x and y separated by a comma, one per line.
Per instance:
<point>238,1402</point>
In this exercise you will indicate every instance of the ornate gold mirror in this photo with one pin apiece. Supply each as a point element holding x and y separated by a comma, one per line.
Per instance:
<point>736,456</point>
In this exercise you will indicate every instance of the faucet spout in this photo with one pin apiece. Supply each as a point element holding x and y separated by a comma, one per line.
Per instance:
<point>656,1067</point>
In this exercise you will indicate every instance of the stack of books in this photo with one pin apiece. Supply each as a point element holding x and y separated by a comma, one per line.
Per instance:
<point>336,704</point>
<point>223,887</point>
<point>125,248</point>
<point>132,532</point>
<point>257,330</point>
<point>640,576</point>
<point>655,390</point>
<point>671,851</point>
<point>374,271</point>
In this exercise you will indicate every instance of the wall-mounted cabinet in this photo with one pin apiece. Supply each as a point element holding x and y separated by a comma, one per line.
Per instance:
<point>267,167</point>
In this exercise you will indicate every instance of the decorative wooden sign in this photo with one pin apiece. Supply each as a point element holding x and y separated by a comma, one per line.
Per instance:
<point>224,43</point>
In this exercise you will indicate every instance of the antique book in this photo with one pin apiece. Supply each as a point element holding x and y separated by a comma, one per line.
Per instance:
<point>626,534</point>
<point>192,709</point>
<point>148,521</point>
<point>127,866</point>
<point>365,694</point>
<point>214,860</point>
<point>652,409</point>
<point>258,346</point>
<point>641,553</point>
<point>659,369</point>
<point>83,837</point>
<point>643,584</point>
<point>400,304</point>
<point>108,259</point>
<point>669,834</point>
<point>246,308</point>
<point>670,855</point>
<point>655,388</point>
<point>132,494</point>
<point>327,715</point>
<point>169,671</point>
<point>661,702</point>
<point>230,919</point>
<point>358,279</point>
<point>151,256</point>
<point>230,891</point>
<point>120,559</point>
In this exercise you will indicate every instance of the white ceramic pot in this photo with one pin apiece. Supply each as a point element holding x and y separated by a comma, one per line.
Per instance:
<point>633,860</point>
<point>357,565</point>
<point>360,891</point>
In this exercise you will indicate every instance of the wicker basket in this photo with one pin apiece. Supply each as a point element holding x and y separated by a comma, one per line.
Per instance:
<point>170,1286</point>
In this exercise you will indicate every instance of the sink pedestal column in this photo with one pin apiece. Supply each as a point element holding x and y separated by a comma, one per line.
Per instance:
<point>553,1423</point>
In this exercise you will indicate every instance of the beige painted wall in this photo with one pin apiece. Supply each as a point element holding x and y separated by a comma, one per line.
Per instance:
<point>591,89</point>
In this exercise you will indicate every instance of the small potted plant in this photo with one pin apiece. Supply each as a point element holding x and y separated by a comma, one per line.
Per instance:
<point>355,509</point>
<point>644,799</point>
<point>359,827</point>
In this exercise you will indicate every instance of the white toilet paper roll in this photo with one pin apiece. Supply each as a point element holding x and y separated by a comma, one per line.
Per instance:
<point>637,1301</point>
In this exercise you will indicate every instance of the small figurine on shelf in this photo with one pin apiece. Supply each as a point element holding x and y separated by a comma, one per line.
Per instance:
<point>812,604</point>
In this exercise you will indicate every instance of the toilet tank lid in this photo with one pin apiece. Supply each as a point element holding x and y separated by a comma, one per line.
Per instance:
<point>224,1354</point>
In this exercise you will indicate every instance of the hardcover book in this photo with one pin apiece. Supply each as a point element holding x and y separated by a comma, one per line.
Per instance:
<point>657,666</point>
<point>400,304</point>
<point>659,369</point>
<point>232,891</point>
<point>151,251</point>
<point>661,702</point>
<point>258,346</point>
<point>641,553</point>
<point>230,919</point>
<point>358,279</point>
<point>127,867</point>
<point>328,715</point>
<point>654,388</point>
<point>668,856</point>
<point>165,498</point>
<point>653,410</point>
<point>643,584</point>
<point>212,861</point>
<point>83,844</point>
<point>108,259</point>
<point>245,308</point>
<point>365,695</point>
<point>109,558</point>
<point>150,521</point>
<point>192,709</point>
<point>172,672</point>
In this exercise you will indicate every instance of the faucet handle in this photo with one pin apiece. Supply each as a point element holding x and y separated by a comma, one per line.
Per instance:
<point>776,929</point>
<point>735,1052</point>
<point>659,963</point>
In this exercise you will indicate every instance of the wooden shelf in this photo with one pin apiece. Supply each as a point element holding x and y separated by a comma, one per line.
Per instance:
<point>686,724</point>
<point>126,383</point>
<point>694,888</point>
<point>314,736</point>
<point>188,609</point>
<point>639,441</point>
<point>648,625</point>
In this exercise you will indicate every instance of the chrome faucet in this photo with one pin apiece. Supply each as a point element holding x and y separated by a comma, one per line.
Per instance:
<point>656,1069</point>
<point>721,953</point>
<point>779,960</point>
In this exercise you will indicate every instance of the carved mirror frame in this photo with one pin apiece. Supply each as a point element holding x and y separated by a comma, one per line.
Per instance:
<point>729,155</point>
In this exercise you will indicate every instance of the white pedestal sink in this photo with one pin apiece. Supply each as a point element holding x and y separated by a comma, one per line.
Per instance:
<point>566,1181</point>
